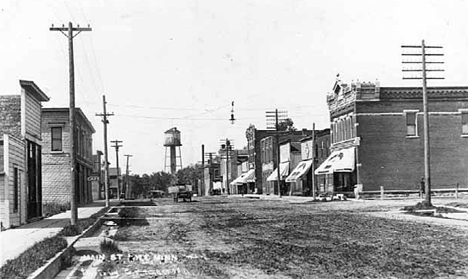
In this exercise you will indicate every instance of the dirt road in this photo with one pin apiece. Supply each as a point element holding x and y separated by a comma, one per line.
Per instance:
<point>219,237</point>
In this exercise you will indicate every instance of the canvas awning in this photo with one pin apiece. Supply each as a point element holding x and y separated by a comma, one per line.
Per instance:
<point>301,169</point>
<point>284,171</point>
<point>339,161</point>
<point>245,177</point>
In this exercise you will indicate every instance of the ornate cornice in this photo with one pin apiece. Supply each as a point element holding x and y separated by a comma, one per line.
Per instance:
<point>388,93</point>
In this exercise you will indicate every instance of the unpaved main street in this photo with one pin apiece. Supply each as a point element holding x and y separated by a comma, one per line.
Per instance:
<point>220,237</point>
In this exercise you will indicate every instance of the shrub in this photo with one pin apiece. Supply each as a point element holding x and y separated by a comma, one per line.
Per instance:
<point>420,205</point>
<point>33,258</point>
<point>83,224</point>
<point>71,230</point>
<point>128,212</point>
<point>53,208</point>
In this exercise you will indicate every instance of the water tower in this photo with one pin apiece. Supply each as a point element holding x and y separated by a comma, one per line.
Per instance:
<point>171,142</point>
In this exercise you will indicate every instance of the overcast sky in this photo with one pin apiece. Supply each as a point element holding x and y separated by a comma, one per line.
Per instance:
<point>181,63</point>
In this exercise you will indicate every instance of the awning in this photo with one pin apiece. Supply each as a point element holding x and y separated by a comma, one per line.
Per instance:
<point>301,169</point>
<point>245,177</point>
<point>338,161</point>
<point>284,171</point>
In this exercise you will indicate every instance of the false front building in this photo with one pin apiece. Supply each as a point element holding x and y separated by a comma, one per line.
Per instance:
<point>20,155</point>
<point>377,138</point>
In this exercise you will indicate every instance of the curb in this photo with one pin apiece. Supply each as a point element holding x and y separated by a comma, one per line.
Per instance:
<point>54,265</point>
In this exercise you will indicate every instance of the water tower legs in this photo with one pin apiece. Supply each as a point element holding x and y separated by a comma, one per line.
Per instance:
<point>173,156</point>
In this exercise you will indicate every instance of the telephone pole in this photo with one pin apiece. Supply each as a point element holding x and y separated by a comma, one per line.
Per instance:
<point>201,192</point>
<point>424,78</point>
<point>227,145</point>
<point>127,187</point>
<point>104,116</point>
<point>68,32</point>
<point>116,146</point>
<point>277,116</point>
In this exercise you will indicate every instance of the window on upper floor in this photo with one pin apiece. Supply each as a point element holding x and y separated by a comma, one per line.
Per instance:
<point>411,124</point>
<point>464,122</point>
<point>56,138</point>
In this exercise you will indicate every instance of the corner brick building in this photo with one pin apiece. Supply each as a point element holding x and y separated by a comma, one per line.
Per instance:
<point>377,137</point>
<point>20,155</point>
<point>56,156</point>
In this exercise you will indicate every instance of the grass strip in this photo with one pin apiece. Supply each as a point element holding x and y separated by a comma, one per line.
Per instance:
<point>83,224</point>
<point>33,258</point>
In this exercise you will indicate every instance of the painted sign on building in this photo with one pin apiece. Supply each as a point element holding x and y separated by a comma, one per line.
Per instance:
<point>285,152</point>
<point>307,150</point>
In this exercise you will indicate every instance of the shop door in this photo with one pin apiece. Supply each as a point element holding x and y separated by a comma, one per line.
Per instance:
<point>34,180</point>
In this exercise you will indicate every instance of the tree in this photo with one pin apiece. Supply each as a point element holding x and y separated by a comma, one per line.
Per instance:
<point>286,125</point>
<point>190,175</point>
<point>142,185</point>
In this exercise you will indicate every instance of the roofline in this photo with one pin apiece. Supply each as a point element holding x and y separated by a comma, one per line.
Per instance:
<point>420,88</point>
<point>66,110</point>
<point>34,89</point>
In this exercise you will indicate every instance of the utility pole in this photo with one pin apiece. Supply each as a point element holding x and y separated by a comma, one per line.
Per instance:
<point>127,187</point>
<point>313,161</point>
<point>104,116</point>
<point>283,116</point>
<point>202,184</point>
<point>70,36</point>
<point>424,78</point>
<point>228,145</point>
<point>116,146</point>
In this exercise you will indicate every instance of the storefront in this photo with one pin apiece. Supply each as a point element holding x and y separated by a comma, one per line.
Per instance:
<point>242,181</point>
<point>338,173</point>
<point>299,177</point>
<point>273,177</point>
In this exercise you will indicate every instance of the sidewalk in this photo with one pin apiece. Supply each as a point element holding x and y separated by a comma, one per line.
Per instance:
<point>15,241</point>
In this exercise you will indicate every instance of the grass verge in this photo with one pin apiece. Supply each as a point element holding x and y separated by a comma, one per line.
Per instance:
<point>33,258</point>
<point>83,224</point>
<point>53,208</point>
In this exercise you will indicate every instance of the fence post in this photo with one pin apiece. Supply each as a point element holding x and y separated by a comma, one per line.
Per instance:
<point>456,191</point>
<point>381,192</point>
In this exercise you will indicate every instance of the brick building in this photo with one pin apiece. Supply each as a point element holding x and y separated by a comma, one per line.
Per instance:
<point>256,147</point>
<point>56,156</point>
<point>377,137</point>
<point>20,155</point>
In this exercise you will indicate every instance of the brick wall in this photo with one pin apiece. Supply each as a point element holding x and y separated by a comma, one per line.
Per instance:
<point>56,164</point>
<point>56,178</point>
<point>389,158</point>
<point>10,115</point>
